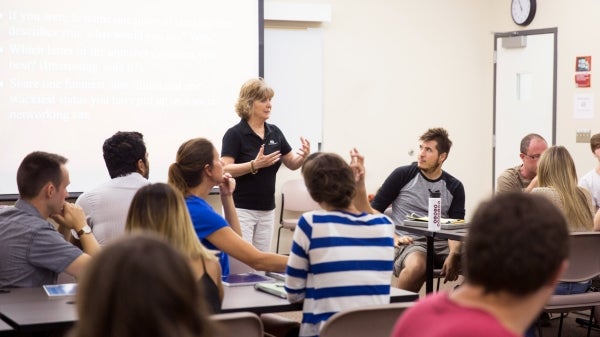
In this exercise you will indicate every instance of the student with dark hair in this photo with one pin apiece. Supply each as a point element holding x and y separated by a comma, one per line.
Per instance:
<point>407,190</point>
<point>141,286</point>
<point>342,255</point>
<point>515,252</point>
<point>161,209</point>
<point>196,170</point>
<point>106,205</point>
<point>32,251</point>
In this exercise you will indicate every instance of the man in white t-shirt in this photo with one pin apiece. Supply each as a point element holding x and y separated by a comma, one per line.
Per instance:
<point>591,180</point>
<point>106,206</point>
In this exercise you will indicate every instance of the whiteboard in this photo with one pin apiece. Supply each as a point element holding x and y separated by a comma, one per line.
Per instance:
<point>74,72</point>
<point>294,69</point>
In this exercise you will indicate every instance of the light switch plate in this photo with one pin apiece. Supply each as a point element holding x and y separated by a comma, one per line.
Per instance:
<point>583,136</point>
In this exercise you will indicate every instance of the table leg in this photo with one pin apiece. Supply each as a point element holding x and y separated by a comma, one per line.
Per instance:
<point>429,266</point>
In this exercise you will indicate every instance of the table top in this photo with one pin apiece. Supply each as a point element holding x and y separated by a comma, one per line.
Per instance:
<point>246,298</point>
<point>31,309</point>
<point>5,327</point>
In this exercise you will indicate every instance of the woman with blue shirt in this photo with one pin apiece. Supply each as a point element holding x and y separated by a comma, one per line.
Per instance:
<point>196,170</point>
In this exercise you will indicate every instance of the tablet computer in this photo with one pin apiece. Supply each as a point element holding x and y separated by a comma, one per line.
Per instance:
<point>65,289</point>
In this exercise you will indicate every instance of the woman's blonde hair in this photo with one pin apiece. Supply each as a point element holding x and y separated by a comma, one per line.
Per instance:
<point>161,208</point>
<point>556,169</point>
<point>253,90</point>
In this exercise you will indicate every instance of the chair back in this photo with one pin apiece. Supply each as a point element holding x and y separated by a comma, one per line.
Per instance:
<point>238,324</point>
<point>584,257</point>
<point>372,321</point>
<point>295,197</point>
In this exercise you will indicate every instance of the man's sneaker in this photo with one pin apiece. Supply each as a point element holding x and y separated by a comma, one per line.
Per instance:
<point>544,319</point>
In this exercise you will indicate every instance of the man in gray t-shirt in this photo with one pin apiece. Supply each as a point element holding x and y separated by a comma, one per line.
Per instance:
<point>32,251</point>
<point>407,190</point>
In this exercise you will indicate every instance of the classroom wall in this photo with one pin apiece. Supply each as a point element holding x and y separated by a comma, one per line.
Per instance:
<point>393,68</point>
<point>578,35</point>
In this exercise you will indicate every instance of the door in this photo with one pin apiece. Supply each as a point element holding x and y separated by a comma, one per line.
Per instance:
<point>524,92</point>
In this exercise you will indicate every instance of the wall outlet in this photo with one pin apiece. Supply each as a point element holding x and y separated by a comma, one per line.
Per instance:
<point>583,136</point>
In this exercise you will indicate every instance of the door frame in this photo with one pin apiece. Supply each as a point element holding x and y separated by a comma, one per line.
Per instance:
<point>497,36</point>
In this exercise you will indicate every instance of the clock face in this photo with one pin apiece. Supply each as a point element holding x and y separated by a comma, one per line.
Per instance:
<point>523,11</point>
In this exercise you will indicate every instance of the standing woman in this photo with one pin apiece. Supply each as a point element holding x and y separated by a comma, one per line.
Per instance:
<point>253,151</point>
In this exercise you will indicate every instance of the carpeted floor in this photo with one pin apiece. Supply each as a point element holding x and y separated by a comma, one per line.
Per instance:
<point>570,327</point>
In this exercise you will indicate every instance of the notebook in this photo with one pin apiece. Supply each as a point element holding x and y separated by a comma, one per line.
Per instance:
<point>66,289</point>
<point>414,217</point>
<point>444,225</point>
<point>273,288</point>
<point>233,280</point>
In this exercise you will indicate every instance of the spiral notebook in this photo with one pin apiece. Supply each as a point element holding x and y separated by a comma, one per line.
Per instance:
<point>233,280</point>
<point>444,224</point>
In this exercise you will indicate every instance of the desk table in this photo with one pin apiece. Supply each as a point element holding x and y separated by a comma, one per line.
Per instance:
<point>30,309</point>
<point>5,328</point>
<point>430,236</point>
<point>246,298</point>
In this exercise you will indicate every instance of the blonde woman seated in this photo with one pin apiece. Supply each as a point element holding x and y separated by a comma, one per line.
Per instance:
<point>557,180</point>
<point>161,209</point>
<point>196,170</point>
<point>139,285</point>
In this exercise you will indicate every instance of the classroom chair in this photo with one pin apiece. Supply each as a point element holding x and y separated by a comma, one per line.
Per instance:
<point>294,198</point>
<point>372,321</point>
<point>584,264</point>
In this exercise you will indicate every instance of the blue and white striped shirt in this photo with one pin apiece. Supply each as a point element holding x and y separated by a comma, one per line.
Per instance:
<point>339,261</point>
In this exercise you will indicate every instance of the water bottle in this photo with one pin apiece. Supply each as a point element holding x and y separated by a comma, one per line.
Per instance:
<point>434,212</point>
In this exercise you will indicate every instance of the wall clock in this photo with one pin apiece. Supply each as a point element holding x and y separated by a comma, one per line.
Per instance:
<point>523,11</point>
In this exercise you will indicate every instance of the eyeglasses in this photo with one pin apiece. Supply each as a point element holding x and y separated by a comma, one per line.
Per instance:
<point>533,157</point>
